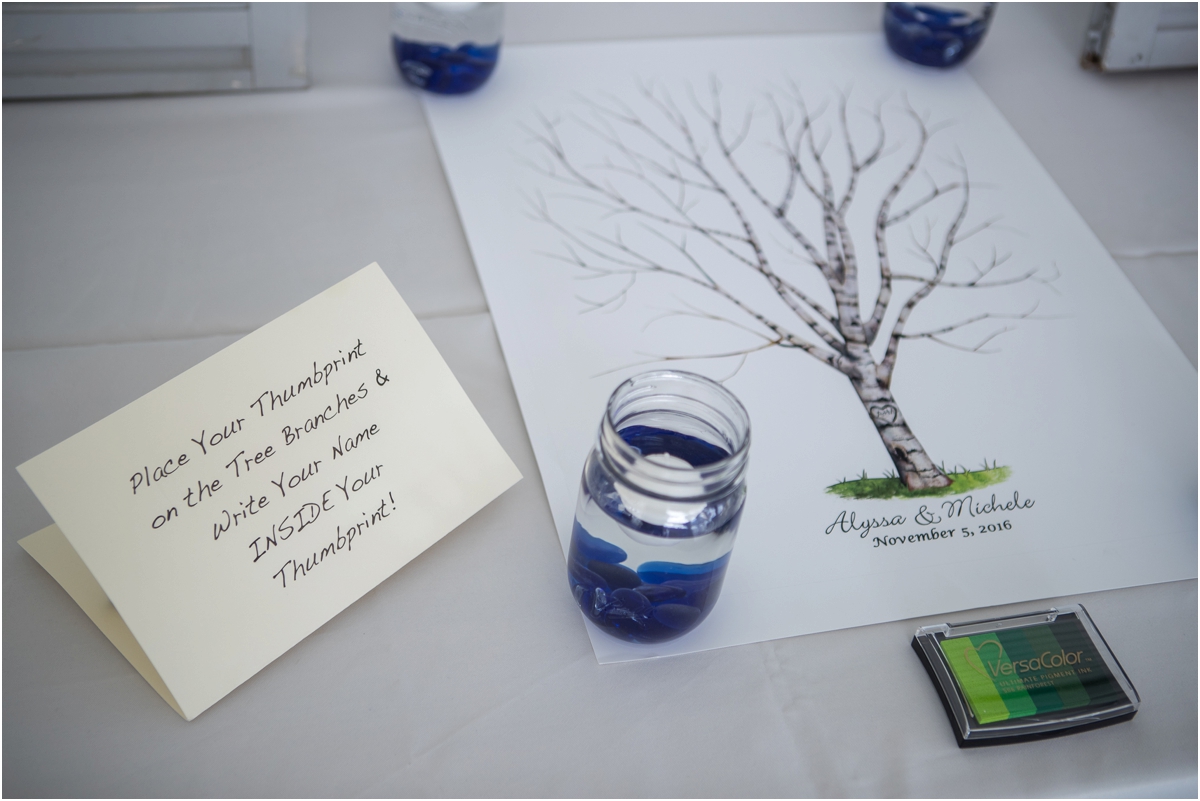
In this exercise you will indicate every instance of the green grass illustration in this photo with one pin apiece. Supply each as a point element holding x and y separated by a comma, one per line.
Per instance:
<point>962,480</point>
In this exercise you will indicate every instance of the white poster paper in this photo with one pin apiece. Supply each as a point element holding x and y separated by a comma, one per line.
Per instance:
<point>232,511</point>
<point>869,257</point>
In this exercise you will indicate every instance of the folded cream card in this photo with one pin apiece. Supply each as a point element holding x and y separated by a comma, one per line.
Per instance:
<point>212,524</point>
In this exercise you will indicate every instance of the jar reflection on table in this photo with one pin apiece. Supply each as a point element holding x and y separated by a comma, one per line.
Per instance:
<point>659,504</point>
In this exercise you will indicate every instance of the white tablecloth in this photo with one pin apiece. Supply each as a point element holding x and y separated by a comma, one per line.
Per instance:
<point>142,235</point>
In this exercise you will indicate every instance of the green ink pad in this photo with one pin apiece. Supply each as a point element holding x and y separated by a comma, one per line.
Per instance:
<point>1025,677</point>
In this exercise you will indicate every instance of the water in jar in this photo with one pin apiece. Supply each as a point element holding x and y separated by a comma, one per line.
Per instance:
<point>643,568</point>
<point>446,48</point>
<point>936,34</point>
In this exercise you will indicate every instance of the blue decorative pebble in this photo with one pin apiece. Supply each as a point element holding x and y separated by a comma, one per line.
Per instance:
<point>582,575</point>
<point>599,601</point>
<point>695,593</point>
<point>676,616</point>
<point>615,576</point>
<point>443,70</point>
<point>933,35</point>
<point>631,600</point>
<point>592,548</point>
<point>614,612</point>
<point>658,593</point>
<point>662,572</point>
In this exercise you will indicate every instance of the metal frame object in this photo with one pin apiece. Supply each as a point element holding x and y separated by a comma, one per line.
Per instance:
<point>89,49</point>
<point>1140,36</point>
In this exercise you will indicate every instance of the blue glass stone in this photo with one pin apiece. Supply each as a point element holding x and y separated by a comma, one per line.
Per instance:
<point>446,71</point>
<point>616,576</point>
<point>658,593</point>
<point>582,576</point>
<point>662,572</point>
<point>676,616</point>
<point>632,600</point>
<point>599,601</point>
<point>628,613</point>
<point>934,35</point>
<point>616,613</point>
<point>696,592</point>
<point>594,549</point>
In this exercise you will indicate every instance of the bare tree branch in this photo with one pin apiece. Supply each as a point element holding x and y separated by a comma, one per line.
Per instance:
<point>857,167</point>
<point>779,211</point>
<point>699,217</point>
<point>882,301</point>
<point>970,321</point>
<point>888,364</point>
<point>934,194</point>
<point>660,359</point>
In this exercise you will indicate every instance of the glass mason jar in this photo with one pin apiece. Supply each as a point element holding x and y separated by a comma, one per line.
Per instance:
<point>936,34</point>
<point>659,505</point>
<point>447,48</point>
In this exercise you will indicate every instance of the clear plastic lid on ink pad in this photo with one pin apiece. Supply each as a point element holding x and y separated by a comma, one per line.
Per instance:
<point>1027,676</point>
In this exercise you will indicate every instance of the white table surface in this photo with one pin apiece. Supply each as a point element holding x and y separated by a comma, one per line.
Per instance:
<point>142,235</point>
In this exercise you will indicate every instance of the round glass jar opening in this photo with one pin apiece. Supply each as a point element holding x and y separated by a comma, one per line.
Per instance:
<point>676,435</point>
<point>659,506</point>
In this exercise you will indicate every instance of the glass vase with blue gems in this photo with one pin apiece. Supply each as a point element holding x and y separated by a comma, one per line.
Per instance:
<point>447,48</point>
<point>659,504</point>
<point>936,35</point>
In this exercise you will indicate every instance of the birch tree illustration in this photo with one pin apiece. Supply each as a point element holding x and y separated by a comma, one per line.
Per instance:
<point>673,171</point>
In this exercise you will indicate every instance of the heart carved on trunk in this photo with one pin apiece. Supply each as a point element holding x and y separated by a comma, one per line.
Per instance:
<point>885,413</point>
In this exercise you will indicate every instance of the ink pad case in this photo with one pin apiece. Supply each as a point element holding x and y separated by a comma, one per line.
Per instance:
<point>1025,677</point>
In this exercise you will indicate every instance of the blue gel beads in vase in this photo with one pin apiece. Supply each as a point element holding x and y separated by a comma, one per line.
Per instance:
<point>439,69</point>
<point>643,606</point>
<point>936,35</point>
<point>646,581</point>
<point>447,48</point>
<point>659,505</point>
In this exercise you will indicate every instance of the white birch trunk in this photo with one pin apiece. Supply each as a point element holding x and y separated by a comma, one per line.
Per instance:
<point>913,466</point>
